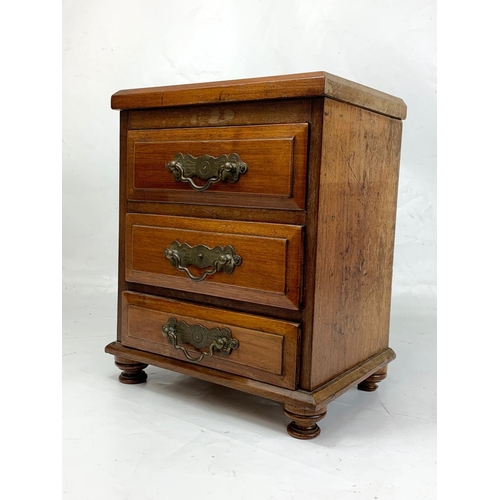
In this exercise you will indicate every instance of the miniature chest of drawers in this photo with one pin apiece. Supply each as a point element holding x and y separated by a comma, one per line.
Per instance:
<point>256,239</point>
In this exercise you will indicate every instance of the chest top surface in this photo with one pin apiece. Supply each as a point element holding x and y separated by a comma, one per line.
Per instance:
<point>316,84</point>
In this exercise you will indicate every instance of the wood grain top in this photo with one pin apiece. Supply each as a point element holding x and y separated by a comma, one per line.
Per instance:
<point>300,85</point>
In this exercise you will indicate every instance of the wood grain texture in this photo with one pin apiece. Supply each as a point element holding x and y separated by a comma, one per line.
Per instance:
<point>304,423</point>
<point>299,85</point>
<point>221,302</point>
<point>313,220</point>
<point>132,372</point>
<point>250,89</point>
<point>267,348</point>
<point>121,215</point>
<point>271,254</point>
<point>370,384</point>
<point>276,216</point>
<point>355,236</point>
<point>276,156</point>
<point>310,243</point>
<point>339,385</point>
<point>217,115</point>
<point>353,93</point>
<point>301,400</point>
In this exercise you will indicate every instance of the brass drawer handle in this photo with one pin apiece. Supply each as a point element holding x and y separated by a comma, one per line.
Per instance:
<point>208,168</point>
<point>216,259</point>
<point>216,339</point>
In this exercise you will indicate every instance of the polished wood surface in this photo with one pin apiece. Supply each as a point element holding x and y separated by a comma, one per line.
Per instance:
<point>220,114</point>
<point>310,244</point>
<point>276,156</point>
<point>132,371</point>
<point>271,257</point>
<point>370,384</point>
<point>295,217</point>
<point>302,401</point>
<point>212,300</point>
<point>313,220</point>
<point>121,217</point>
<point>356,223</point>
<point>304,423</point>
<point>267,348</point>
<point>316,84</point>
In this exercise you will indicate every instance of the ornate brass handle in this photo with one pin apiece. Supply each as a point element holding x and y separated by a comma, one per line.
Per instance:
<point>206,167</point>
<point>216,259</point>
<point>216,339</point>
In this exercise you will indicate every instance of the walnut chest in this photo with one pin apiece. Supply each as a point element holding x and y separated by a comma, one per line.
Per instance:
<point>256,239</point>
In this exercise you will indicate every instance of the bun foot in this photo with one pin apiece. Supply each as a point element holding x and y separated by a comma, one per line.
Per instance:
<point>303,424</point>
<point>370,383</point>
<point>132,372</point>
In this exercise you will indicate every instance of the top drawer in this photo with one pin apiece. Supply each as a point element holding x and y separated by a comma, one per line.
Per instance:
<point>247,166</point>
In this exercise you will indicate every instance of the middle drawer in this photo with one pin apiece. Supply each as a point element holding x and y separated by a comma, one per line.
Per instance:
<point>247,261</point>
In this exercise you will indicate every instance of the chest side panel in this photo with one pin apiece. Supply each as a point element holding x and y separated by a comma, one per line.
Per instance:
<point>355,238</point>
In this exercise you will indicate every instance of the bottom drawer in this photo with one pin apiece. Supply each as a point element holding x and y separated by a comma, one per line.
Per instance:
<point>253,346</point>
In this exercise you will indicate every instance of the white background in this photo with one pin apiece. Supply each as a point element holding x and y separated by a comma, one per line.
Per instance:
<point>380,447</point>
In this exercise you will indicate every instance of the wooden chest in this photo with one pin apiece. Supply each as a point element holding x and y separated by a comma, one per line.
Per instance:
<point>256,236</point>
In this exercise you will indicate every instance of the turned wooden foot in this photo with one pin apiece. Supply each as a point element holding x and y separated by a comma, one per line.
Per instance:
<point>370,384</point>
<point>132,372</point>
<point>303,422</point>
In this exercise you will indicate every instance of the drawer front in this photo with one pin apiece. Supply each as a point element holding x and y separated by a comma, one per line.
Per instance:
<point>263,165</point>
<point>263,349</point>
<point>248,261</point>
